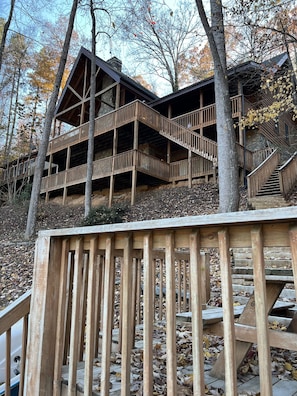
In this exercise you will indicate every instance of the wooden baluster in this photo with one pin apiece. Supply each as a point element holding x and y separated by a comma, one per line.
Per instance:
<point>127,337</point>
<point>261,311</point>
<point>98,299</point>
<point>90,317</point>
<point>107,316</point>
<point>75,317</point>
<point>197,324</point>
<point>170,315</point>
<point>8,362</point>
<point>179,285</point>
<point>228,314</point>
<point>148,315</point>
<point>24,353</point>
<point>61,319</point>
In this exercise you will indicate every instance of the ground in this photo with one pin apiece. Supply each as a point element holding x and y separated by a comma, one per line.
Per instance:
<point>17,255</point>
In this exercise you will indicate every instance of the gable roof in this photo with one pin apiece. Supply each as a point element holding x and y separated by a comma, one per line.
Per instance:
<point>243,69</point>
<point>75,83</point>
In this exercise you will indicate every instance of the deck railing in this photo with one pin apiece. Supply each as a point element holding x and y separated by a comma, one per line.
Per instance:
<point>288,175</point>
<point>88,282</point>
<point>179,170</point>
<point>206,116</point>
<point>16,314</point>
<point>261,174</point>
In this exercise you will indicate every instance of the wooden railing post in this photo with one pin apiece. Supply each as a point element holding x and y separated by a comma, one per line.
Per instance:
<point>40,358</point>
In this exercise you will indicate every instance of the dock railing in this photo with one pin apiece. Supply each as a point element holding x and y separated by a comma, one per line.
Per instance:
<point>90,281</point>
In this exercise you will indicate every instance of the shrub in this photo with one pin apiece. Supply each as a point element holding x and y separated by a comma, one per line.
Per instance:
<point>104,215</point>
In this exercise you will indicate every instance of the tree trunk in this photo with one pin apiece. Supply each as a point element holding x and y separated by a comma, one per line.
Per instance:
<point>40,160</point>
<point>90,156</point>
<point>5,30</point>
<point>227,153</point>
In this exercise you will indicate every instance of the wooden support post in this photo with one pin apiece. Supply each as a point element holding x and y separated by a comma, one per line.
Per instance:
<point>261,311</point>
<point>148,315</point>
<point>66,174</point>
<point>197,323</point>
<point>134,171</point>
<point>107,317</point>
<point>114,152</point>
<point>190,171</point>
<point>170,316</point>
<point>39,373</point>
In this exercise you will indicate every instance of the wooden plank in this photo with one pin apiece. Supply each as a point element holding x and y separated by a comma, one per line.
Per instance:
<point>7,361</point>
<point>75,317</point>
<point>126,335</point>
<point>227,298</point>
<point>148,315</point>
<point>277,338</point>
<point>90,318</point>
<point>210,315</point>
<point>260,310</point>
<point>24,353</point>
<point>170,316</point>
<point>293,244</point>
<point>14,311</point>
<point>107,316</point>
<point>205,273</point>
<point>196,301</point>
<point>277,224</point>
<point>61,320</point>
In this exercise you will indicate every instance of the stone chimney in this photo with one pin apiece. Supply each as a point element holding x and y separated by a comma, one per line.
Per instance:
<point>115,63</point>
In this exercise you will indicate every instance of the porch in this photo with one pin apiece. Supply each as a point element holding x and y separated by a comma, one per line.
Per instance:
<point>131,279</point>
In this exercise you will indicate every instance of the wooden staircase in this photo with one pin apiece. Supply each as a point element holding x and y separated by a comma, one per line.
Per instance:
<point>269,196</point>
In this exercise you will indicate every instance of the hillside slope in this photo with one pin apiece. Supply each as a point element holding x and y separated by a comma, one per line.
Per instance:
<point>17,255</point>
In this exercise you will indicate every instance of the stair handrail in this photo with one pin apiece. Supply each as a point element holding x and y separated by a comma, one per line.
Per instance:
<point>288,175</point>
<point>178,133</point>
<point>9,316</point>
<point>259,176</point>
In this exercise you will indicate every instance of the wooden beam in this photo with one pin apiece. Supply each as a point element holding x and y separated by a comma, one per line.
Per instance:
<point>246,333</point>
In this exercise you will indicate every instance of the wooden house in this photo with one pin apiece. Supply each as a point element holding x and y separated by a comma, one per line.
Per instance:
<point>143,140</point>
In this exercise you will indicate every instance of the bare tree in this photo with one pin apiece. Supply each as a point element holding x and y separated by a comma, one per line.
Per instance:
<point>40,160</point>
<point>159,37</point>
<point>227,154</point>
